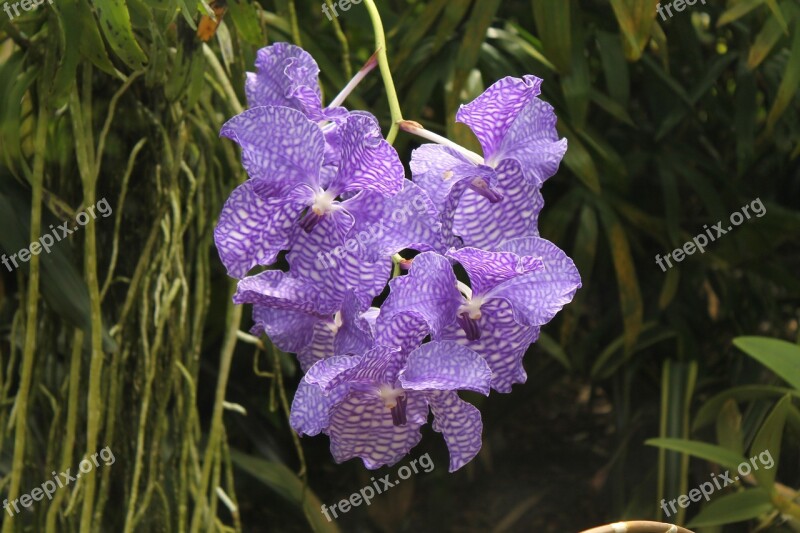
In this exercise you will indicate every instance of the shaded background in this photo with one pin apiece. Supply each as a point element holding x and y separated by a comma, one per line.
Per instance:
<point>125,337</point>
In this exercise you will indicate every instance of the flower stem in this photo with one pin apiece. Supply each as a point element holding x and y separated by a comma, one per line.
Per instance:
<point>386,73</point>
<point>409,126</point>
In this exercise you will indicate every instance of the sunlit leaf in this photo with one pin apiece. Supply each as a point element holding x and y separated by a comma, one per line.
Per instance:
<point>732,508</point>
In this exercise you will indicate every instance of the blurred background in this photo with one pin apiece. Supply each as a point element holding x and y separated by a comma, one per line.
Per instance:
<point>125,336</point>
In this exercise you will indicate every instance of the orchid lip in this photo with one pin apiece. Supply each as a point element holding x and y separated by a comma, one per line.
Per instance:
<point>469,325</point>
<point>481,186</point>
<point>310,221</point>
<point>399,417</point>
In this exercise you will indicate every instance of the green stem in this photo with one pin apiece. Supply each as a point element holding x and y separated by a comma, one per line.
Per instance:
<point>386,73</point>
<point>215,431</point>
<point>337,28</point>
<point>72,423</point>
<point>29,354</point>
<point>94,401</point>
<point>295,25</point>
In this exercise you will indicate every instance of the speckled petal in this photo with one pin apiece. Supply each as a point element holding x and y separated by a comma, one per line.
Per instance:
<point>367,161</point>
<point>320,345</point>
<point>281,148</point>
<point>311,408</point>
<point>445,366</point>
<point>485,225</point>
<point>354,336</point>
<point>537,297</point>
<point>252,231</point>
<point>503,343</point>
<point>280,291</point>
<point>379,365</point>
<point>327,373</point>
<point>361,426</point>
<point>533,141</point>
<point>429,290</point>
<point>289,330</point>
<point>282,68</point>
<point>436,169</point>
<point>314,259</point>
<point>491,114</point>
<point>460,424</point>
<point>404,330</point>
<point>487,270</point>
<point>407,220</point>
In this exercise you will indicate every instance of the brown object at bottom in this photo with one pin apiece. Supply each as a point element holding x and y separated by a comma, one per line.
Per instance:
<point>639,526</point>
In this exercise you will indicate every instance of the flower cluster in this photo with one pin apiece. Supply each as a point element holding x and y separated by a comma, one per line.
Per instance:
<point>318,176</point>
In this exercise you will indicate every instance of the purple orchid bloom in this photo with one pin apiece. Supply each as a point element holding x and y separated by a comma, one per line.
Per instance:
<point>373,406</point>
<point>288,76</point>
<point>297,320</point>
<point>521,150</point>
<point>513,292</point>
<point>289,187</point>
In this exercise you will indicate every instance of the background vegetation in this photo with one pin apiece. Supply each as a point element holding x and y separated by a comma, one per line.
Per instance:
<point>126,337</point>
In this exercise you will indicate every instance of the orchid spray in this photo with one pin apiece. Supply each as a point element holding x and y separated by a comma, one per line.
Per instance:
<point>318,177</point>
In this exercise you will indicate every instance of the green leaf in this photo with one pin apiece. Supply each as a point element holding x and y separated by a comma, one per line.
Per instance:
<point>575,83</point>
<point>16,85</point>
<point>730,508</point>
<point>738,10</point>
<point>789,83</point>
<point>780,356</point>
<point>420,29</point>
<point>245,19</point>
<point>615,68</point>
<point>702,450</point>
<point>453,15</point>
<point>635,18</point>
<point>514,36</point>
<point>91,44</point>
<point>708,412</point>
<point>768,439</point>
<point>612,107</point>
<point>70,23</point>
<point>776,12</point>
<point>729,427</point>
<point>554,350</point>
<point>670,288</point>
<point>769,35</point>
<point>677,387</point>
<point>630,296</point>
<point>115,22</point>
<point>586,240</point>
<point>579,160</point>
<point>553,27</point>
<point>284,482</point>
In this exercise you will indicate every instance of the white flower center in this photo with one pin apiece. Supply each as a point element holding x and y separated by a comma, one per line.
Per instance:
<point>323,203</point>
<point>472,307</point>
<point>336,323</point>
<point>389,395</point>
